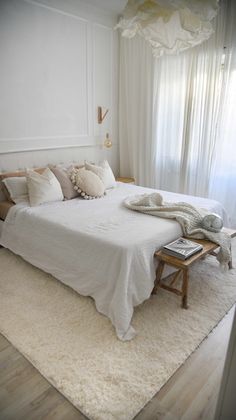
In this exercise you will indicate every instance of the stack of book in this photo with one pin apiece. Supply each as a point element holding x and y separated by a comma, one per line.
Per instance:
<point>182,248</point>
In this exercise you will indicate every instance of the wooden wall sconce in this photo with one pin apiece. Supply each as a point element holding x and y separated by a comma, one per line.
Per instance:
<point>101,115</point>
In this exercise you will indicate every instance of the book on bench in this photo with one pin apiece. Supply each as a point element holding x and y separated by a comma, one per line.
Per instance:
<point>182,248</point>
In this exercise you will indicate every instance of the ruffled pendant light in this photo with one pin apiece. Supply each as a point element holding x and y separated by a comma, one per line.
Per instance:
<point>170,26</point>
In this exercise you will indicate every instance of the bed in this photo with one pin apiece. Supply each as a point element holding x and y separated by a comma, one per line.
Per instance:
<point>98,247</point>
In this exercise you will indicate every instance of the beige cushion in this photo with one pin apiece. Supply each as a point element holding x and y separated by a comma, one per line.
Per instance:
<point>4,208</point>
<point>104,172</point>
<point>17,188</point>
<point>43,188</point>
<point>88,184</point>
<point>63,176</point>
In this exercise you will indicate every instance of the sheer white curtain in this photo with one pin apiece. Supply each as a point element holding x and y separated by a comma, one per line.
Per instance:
<point>223,174</point>
<point>175,142</point>
<point>136,108</point>
<point>186,115</point>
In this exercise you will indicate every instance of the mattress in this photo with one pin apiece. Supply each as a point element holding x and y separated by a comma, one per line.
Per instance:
<point>98,247</point>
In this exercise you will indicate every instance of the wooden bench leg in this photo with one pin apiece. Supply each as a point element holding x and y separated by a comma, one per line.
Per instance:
<point>159,272</point>
<point>183,293</point>
<point>230,263</point>
<point>185,290</point>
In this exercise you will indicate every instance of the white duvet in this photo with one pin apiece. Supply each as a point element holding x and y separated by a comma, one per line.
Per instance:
<point>99,247</point>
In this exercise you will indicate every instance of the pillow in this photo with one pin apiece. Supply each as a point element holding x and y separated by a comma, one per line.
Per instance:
<point>88,184</point>
<point>212,222</point>
<point>63,176</point>
<point>17,188</point>
<point>43,188</point>
<point>104,172</point>
<point>13,174</point>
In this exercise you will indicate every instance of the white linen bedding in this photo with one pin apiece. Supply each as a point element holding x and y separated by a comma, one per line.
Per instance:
<point>99,247</point>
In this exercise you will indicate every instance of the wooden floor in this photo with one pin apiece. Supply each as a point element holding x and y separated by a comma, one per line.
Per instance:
<point>190,394</point>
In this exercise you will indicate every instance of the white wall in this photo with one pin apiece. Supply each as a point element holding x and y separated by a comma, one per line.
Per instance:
<point>58,64</point>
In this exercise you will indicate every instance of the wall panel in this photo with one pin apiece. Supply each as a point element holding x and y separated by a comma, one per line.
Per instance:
<point>56,68</point>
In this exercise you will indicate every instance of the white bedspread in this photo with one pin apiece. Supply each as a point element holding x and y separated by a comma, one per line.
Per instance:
<point>98,247</point>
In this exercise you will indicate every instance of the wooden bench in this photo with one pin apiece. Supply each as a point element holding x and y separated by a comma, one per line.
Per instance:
<point>182,267</point>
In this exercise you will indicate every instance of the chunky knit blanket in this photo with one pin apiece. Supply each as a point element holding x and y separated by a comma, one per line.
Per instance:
<point>189,217</point>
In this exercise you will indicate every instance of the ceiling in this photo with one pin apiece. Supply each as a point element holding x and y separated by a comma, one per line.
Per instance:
<point>114,6</point>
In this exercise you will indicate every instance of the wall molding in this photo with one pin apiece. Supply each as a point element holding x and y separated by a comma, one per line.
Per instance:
<point>73,136</point>
<point>45,129</point>
<point>55,9</point>
<point>75,16</point>
<point>107,124</point>
<point>89,87</point>
<point>69,146</point>
<point>46,143</point>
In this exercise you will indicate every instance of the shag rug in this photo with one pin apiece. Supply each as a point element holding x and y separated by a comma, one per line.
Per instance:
<point>76,348</point>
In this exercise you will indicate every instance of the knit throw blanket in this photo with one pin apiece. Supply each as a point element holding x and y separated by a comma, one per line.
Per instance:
<point>189,217</point>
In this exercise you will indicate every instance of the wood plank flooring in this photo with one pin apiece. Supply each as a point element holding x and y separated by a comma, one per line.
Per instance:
<point>190,394</point>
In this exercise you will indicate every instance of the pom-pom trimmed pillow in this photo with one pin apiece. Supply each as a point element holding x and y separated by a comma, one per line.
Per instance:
<point>104,172</point>
<point>88,184</point>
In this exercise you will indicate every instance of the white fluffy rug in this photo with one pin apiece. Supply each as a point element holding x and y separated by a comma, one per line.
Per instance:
<point>76,348</point>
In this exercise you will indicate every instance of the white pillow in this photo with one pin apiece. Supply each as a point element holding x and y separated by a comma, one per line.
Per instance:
<point>104,172</point>
<point>88,184</point>
<point>43,188</point>
<point>17,188</point>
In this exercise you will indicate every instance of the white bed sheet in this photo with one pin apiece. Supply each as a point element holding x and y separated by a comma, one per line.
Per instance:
<point>98,247</point>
